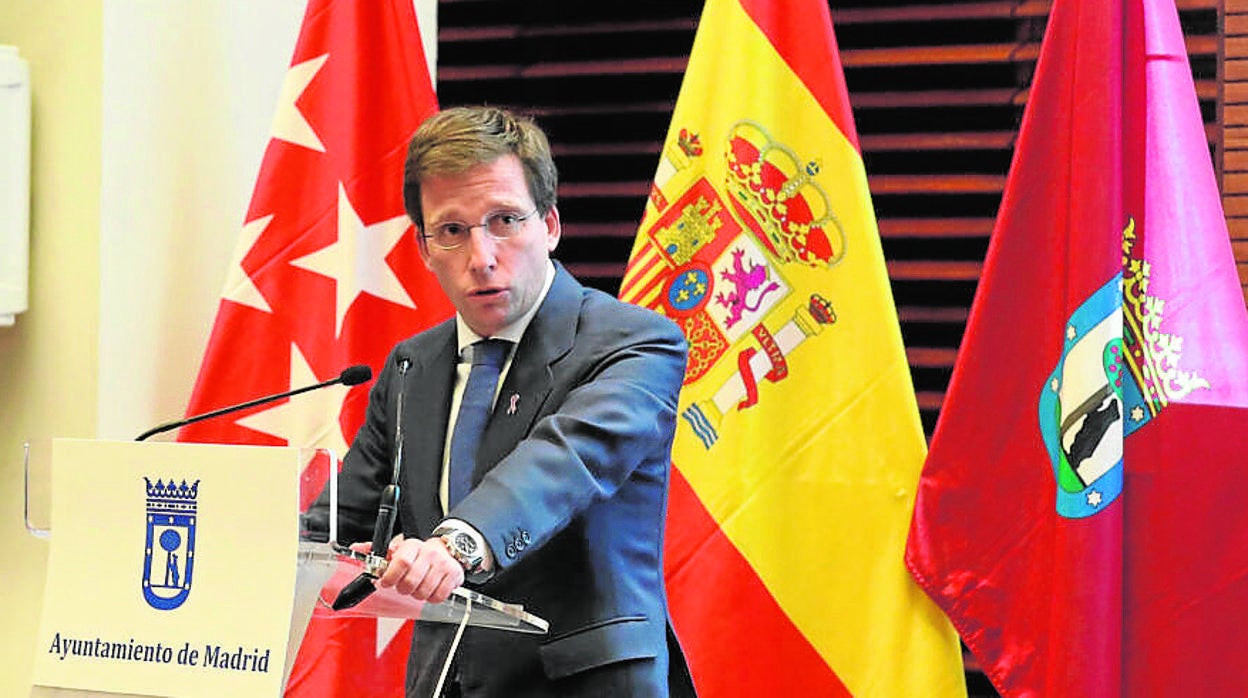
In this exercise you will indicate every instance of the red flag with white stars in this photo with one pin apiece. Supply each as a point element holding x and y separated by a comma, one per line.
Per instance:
<point>326,275</point>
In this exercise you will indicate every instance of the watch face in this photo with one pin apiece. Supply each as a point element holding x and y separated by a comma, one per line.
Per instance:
<point>465,544</point>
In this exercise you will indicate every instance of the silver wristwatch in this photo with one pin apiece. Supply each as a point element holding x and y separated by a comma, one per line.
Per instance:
<point>463,547</point>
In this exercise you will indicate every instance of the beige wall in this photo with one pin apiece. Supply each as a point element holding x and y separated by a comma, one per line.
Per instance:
<point>48,360</point>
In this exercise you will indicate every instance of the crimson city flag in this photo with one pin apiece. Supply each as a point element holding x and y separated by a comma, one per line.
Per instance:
<point>799,444</point>
<point>326,274</point>
<point>1083,512</point>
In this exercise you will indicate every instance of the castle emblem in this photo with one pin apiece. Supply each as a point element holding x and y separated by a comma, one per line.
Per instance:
<point>169,553</point>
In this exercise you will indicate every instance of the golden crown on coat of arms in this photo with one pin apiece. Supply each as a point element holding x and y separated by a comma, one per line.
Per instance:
<point>778,190</point>
<point>1153,356</point>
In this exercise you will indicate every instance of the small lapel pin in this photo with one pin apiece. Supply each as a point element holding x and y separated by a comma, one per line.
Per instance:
<point>511,408</point>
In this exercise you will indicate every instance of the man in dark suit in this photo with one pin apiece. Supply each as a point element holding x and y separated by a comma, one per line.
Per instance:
<point>561,505</point>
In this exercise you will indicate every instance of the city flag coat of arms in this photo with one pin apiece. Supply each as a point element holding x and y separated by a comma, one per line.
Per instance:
<point>799,444</point>
<point>1083,514</point>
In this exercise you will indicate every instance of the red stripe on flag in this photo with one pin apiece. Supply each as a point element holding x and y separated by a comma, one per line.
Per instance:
<point>642,266</point>
<point>740,625</point>
<point>804,39</point>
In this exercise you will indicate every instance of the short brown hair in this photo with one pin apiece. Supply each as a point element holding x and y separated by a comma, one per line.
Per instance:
<point>457,139</point>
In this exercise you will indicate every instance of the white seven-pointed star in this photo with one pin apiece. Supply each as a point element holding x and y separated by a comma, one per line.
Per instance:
<point>309,420</point>
<point>357,260</point>
<point>1071,333</point>
<point>289,124</point>
<point>1094,498</point>
<point>238,285</point>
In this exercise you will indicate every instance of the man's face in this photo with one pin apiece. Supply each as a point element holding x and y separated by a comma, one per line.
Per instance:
<point>491,282</point>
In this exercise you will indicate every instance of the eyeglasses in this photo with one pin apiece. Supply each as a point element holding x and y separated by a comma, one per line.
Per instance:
<point>499,225</point>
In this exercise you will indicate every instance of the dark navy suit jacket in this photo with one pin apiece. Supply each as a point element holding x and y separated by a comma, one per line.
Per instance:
<point>570,493</point>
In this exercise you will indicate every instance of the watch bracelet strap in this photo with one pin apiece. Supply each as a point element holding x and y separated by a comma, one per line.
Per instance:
<point>474,574</point>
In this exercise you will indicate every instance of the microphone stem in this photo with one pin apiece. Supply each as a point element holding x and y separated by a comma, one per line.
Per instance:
<point>404,364</point>
<point>232,408</point>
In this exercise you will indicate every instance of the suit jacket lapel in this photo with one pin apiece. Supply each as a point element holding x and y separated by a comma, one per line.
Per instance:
<point>427,413</point>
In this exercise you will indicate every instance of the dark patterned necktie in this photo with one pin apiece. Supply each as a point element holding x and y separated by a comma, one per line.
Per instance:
<point>474,412</point>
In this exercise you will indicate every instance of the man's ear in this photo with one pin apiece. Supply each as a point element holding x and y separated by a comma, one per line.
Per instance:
<point>553,229</point>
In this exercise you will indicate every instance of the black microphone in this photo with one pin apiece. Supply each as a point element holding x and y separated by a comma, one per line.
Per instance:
<point>362,586</point>
<point>352,375</point>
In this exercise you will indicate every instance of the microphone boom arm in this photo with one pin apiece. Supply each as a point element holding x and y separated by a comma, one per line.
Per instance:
<point>350,376</point>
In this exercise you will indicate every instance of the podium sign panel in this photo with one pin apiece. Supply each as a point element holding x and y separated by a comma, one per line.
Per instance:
<point>171,570</point>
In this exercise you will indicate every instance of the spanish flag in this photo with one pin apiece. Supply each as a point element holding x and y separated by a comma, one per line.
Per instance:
<point>799,448</point>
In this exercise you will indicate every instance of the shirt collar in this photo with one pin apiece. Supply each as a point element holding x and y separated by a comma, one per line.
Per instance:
<point>512,332</point>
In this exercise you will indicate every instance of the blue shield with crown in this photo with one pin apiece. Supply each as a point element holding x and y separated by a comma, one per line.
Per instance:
<point>169,554</point>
